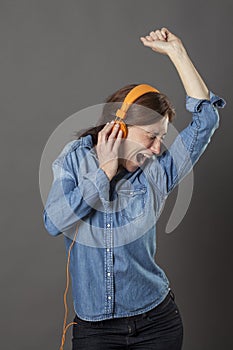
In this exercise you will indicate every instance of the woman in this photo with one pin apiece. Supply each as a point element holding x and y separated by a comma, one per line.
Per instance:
<point>113,185</point>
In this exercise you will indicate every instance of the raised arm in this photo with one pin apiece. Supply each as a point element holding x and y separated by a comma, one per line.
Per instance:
<point>175,163</point>
<point>163,41</point>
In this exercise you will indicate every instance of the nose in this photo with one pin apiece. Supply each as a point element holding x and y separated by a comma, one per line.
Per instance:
<point>156,146</point>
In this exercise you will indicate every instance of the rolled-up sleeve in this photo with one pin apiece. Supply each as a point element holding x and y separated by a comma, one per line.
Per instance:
<point>176,162</point>
<point>194,105</point>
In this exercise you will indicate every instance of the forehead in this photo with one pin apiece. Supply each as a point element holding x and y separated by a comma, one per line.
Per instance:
<point>159,127</point>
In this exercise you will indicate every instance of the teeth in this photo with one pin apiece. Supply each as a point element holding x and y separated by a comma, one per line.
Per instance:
<point>146,155</point>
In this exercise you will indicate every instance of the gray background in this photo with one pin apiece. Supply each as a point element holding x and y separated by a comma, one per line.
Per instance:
<point>58,57</point>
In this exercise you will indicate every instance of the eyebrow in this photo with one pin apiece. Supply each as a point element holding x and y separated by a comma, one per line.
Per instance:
<point>155,133</point>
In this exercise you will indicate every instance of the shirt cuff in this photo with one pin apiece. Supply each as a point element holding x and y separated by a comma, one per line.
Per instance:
<point>194,104</point>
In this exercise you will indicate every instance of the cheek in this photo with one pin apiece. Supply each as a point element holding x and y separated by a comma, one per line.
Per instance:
<point>145,143</point>
<point>148,143</point>
<point>138,141</point>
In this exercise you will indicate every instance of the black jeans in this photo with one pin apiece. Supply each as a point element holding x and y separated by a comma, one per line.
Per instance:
<point>158,329</point>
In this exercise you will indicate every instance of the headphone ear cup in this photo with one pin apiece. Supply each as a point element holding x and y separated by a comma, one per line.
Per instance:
<point>123,127</point>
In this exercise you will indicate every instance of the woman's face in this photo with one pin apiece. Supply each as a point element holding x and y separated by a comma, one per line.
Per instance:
<point>142,142</point>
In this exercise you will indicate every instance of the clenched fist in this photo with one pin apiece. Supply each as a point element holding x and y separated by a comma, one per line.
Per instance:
<point>162,41</point>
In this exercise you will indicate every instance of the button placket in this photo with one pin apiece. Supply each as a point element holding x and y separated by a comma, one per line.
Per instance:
<point>109,264</point>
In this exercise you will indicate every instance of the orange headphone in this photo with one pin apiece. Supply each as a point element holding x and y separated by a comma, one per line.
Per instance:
<point>133,95</point>
<point>136,92</point>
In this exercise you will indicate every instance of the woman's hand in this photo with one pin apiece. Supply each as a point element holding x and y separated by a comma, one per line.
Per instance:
<point>107,148</point>
<point>163,41</point>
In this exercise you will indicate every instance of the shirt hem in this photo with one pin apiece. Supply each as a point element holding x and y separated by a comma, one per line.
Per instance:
<point>114,316</point>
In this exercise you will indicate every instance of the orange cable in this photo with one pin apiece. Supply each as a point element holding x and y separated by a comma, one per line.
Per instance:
<point>65,326</point>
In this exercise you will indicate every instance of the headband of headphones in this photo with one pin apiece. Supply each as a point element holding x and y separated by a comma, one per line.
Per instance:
<point>136,92</point>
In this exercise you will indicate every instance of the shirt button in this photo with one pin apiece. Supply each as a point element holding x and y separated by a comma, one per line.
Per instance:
<point>108,225</point>
<point>109,298</point>
<point>109,274</point>
<point>108,250</point>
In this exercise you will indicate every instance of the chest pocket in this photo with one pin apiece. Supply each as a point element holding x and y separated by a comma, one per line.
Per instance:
<point>131,202</point>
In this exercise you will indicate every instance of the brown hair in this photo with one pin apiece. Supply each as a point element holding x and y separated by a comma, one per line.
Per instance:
<point>150,103</point>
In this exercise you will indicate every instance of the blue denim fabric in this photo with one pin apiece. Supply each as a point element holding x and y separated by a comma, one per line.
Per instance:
<point>112,265</point>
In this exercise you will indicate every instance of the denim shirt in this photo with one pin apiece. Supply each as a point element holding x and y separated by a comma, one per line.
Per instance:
<point>112,264</point>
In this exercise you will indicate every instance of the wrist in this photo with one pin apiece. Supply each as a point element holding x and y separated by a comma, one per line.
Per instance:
<point>177,52</point>
<point>109,174</point>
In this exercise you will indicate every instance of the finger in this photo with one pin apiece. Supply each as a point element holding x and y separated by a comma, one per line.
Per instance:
<point>102,134</point>
<point>118,140</point>
<point>107,127</point>
<point>114,132</point>
<point>164,34</point>
<point>149,38</point>
<point>146,42</point>
<point>159,35</point>
<point>119,135</point>
<point>110,125</point>
<point>164,29</point>
<point>153,35</point>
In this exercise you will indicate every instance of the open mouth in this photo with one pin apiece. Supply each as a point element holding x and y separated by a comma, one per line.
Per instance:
<point>141,157</point>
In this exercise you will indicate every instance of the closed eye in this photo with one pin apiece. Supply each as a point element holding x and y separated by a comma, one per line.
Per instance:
<point>154,137</point>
